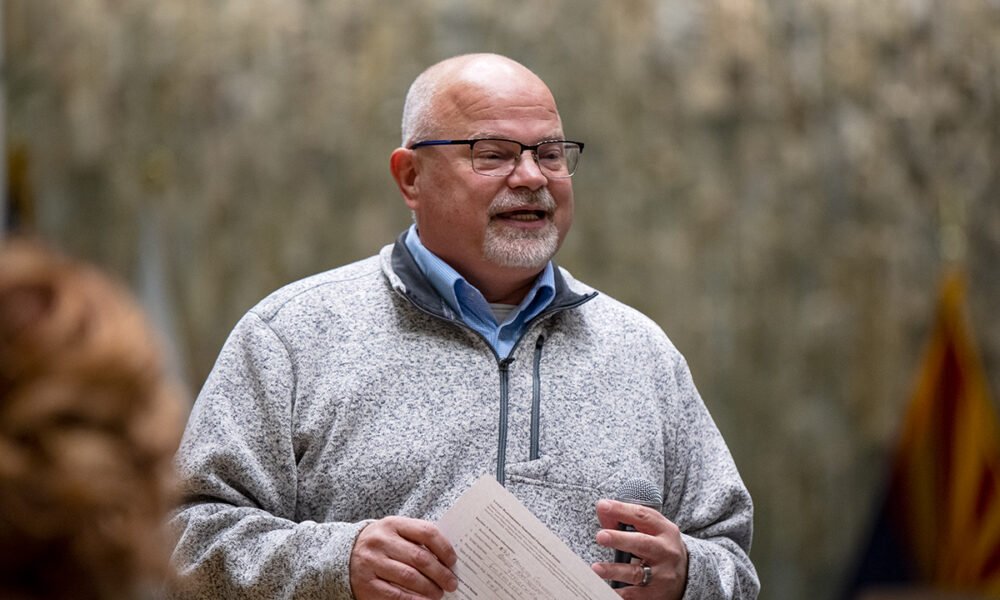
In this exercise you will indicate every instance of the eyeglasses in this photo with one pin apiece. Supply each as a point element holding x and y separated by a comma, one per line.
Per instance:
<point>496,157</point>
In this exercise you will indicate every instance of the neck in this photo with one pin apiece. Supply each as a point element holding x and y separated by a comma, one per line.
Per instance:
<point>509,290</point>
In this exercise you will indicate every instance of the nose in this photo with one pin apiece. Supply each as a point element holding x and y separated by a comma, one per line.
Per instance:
<point>527,173</point>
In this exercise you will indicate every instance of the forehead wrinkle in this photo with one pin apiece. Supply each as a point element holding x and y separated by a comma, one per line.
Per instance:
<point>493,134</point>
<point>476,107</point>
<point>485,104</point>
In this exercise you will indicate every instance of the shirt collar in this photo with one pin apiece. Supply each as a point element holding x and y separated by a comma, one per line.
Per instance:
<point>463,298</point>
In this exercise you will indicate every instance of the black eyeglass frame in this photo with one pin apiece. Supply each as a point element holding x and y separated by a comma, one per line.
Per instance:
<point>471,143</point>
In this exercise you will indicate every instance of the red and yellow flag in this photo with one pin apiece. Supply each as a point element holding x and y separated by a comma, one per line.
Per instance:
<point>944,495</point>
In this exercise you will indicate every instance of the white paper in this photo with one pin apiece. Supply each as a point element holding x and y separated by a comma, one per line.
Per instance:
<point>506,553</point>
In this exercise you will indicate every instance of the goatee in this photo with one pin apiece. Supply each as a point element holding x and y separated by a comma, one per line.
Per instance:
<point>521,248</point>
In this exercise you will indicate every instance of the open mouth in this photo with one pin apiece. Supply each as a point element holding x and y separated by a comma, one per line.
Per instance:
<point>523,215</point>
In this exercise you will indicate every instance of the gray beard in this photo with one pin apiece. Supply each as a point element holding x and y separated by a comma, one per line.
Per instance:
<point>510,247</point>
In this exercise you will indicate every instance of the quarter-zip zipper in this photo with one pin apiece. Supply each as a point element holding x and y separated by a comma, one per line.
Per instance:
<point>503,365</point>
<point>536,398</point>
<point>504,406</point>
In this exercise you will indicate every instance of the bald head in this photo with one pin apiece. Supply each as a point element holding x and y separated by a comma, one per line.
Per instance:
<point>452,86</point>
<point>498,231</point>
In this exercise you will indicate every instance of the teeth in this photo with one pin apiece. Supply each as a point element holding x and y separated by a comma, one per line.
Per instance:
<point>522,216</point>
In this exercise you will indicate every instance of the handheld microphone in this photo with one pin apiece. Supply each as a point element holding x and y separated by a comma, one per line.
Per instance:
<point>635,491</point>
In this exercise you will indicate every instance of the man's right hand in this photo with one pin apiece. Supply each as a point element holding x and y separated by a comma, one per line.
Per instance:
<point>398,558</point>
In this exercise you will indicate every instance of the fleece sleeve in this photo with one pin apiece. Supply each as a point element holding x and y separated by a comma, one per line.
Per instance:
<point>707,500</point>
<point>238,533</point>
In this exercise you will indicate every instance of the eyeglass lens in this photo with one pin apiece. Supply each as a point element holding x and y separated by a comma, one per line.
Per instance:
<point>499,158</point>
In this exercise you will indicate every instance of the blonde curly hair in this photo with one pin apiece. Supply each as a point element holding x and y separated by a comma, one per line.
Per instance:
<point>88,428</point>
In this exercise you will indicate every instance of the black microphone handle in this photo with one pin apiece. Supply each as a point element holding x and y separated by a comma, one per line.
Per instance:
<point>622,557</point>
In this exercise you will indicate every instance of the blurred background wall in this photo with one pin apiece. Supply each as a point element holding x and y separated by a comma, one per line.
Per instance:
<point>778,183</point>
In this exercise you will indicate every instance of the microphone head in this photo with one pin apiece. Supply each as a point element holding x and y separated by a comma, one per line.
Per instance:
<point>640,491</point>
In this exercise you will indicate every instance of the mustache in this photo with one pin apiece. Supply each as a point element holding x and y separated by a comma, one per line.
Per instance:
<point>507,200</point>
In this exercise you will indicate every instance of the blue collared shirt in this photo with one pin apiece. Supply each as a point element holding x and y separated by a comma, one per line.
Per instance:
<point>470,304</point>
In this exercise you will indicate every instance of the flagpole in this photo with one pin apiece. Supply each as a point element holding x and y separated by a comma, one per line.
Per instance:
<point>953,241</point>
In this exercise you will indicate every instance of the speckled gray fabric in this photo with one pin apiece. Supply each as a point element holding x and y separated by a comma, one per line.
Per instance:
<point>337,400</point>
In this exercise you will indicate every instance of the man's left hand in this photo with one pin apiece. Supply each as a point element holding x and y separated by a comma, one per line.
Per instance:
<point>656,543</point>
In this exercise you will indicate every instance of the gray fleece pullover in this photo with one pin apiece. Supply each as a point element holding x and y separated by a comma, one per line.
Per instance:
<point>356,394</point>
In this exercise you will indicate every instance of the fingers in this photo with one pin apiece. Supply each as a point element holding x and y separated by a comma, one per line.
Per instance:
<point>666,547</point>
<point>656,542</point>
<point>646,520</point>
<point>401,558</point>
<point>650,548</point>
<point>427,534</point>
<point>415,568</point>
<point>624,572</point>
<point>406,578</point>
<point>382,590</point>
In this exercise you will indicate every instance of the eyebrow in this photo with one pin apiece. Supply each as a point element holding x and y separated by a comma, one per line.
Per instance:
<point>497,135</point>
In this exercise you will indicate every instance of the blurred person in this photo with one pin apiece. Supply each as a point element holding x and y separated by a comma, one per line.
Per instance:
<point>349,410</point>
<point>88,428</point>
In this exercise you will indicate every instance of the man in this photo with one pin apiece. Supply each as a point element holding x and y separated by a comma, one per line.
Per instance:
<point>349,410</point>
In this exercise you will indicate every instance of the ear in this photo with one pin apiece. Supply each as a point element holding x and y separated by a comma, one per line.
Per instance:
<point>404,168</point>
